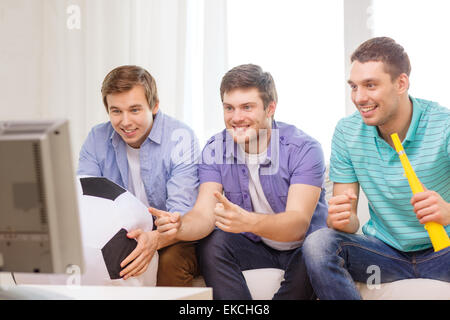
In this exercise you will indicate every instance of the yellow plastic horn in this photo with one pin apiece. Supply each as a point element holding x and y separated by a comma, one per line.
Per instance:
<point>436,232</point>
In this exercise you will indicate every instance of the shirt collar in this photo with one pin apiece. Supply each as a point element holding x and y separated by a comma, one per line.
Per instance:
<point>157,128</point>
<point>415,119</point>
<point>274,143</point>
<point>417,113</point>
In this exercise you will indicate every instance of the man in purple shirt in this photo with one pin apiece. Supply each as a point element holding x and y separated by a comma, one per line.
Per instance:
<point>261,186</point>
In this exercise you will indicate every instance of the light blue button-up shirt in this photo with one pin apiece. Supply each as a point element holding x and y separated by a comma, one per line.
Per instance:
<point>168,159</point>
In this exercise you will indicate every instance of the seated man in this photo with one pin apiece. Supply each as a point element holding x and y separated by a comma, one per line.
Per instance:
<point>139,149</point>
<point>271,174</point>
<point>395,243</point>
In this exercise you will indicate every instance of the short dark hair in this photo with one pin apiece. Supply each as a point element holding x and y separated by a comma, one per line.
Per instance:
<point>384,49</point>
<point>124,78</point>
<point>250,76</point>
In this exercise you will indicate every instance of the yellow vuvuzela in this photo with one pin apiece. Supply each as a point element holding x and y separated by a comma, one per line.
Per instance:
<point>438,236</point>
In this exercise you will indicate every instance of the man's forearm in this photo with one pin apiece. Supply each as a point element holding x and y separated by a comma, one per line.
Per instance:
<point>284,226</point>
<point>194,228</point>
<point>164,241</point>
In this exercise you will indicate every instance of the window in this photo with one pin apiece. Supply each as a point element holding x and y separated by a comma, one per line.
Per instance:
<point>301,43</point>
<point>421,27</point>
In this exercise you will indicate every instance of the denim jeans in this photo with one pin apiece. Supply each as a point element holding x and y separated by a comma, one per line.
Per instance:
<point>222,257</point>
<point>334,260</point>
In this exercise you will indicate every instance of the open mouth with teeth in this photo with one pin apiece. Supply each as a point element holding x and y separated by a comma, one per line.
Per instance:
<point>240,129</point>
<point>129,132</point>
<point>367,110</point>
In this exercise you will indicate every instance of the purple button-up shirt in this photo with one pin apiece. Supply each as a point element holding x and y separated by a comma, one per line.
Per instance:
<point>293,157</point>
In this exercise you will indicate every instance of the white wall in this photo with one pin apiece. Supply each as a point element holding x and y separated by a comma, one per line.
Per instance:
<point>20,55</point>
<point>423,30</point>
<point>356,31</point>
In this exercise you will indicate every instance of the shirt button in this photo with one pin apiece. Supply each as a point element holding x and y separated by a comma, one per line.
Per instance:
<point>245,196</point>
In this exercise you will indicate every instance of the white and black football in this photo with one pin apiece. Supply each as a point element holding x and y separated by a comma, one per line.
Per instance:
<point>107,213</point>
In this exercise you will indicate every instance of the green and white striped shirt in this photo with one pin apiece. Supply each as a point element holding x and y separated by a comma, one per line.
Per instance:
<point>359,154</point>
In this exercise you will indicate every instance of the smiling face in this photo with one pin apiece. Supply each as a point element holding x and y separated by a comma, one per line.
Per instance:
<point>130,115</point>
<point>375,94</point>
<point>246,118</point>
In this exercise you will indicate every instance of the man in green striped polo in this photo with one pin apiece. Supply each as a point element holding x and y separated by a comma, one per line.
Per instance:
<point>394,241</point>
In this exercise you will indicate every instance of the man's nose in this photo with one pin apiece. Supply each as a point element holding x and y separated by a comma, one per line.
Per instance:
<point>238,115</point>
<point>125,119</point>
<point>360,97</point>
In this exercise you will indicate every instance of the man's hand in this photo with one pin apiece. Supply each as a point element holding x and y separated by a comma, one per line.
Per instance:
<point>167,223</point>
<point>231,217</point>
<point>339,210</point>
<point>430,207</point>
<point>141,256</point>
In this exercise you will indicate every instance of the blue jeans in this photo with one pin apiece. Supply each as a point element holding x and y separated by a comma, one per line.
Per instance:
<point>334,260</point>
<point>222,257</point>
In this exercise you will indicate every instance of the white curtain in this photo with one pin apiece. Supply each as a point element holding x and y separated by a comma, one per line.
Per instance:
<point>113,32</point>
<point>206,61</point>
<point>301,43</point>
<point>51,69</point>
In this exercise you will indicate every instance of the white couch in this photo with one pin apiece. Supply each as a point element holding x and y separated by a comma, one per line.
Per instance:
<point>263,283</point>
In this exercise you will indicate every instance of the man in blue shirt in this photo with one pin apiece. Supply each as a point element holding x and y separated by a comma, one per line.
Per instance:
<point>150,154</point>
<point>395,243</point>
<point>271,174</point>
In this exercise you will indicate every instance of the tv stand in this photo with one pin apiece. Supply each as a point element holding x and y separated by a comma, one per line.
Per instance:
<point>9,290</point>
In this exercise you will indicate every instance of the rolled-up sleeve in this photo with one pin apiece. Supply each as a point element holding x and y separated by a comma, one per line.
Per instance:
<point>341,167</point>
<point>182,185</point>
<point>209,170</point>
<point>308,165</point>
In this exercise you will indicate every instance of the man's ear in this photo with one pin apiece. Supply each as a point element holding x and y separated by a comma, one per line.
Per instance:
<point>155,109</point>
<point>271,109</point>
<point>402,83</point>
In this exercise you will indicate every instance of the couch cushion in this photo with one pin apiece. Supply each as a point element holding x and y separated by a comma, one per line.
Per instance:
<point>264,282</point>
<point>408,289</point>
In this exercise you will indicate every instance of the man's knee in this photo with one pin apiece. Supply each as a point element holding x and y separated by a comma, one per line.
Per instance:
<point>177,265</point>
<point>212,242</point>
<point>319,242</point>
<point>213,246</point>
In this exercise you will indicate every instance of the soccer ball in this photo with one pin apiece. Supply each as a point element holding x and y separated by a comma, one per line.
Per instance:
<point>107,212</point>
